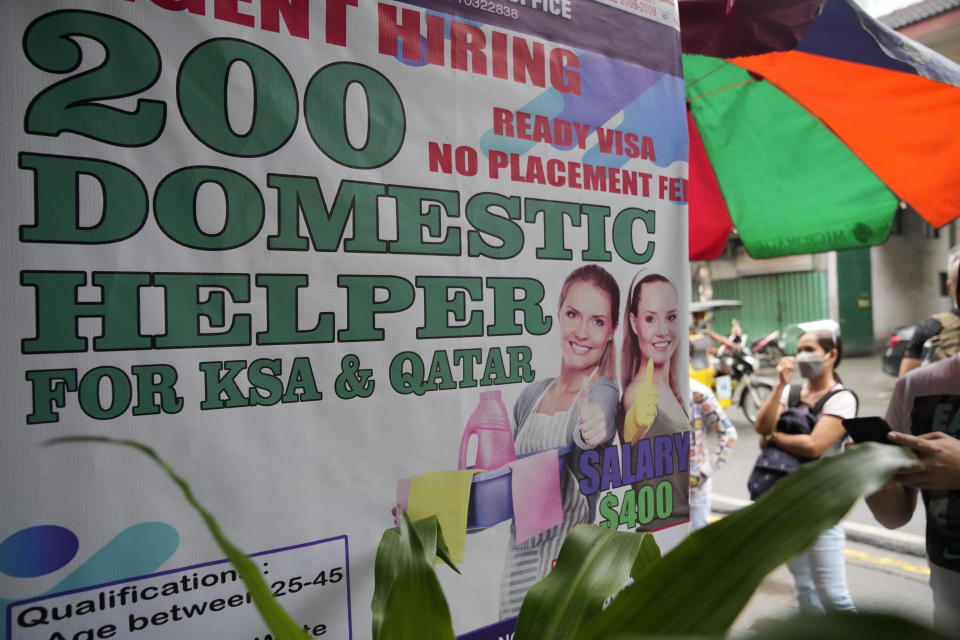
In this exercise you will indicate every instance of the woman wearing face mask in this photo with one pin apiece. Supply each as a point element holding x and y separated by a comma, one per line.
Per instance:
<point>819,573</point>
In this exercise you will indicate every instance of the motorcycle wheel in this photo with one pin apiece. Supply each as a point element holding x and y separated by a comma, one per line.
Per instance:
<point>770,355</point>
<point>754,395</point>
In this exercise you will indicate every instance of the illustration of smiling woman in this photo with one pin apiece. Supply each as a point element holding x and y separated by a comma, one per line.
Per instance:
<point>652,333</point>
<point>577,408</point>
<point>654,418</point>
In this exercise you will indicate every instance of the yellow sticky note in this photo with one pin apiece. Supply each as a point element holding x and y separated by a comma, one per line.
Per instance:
<point>445,494</point>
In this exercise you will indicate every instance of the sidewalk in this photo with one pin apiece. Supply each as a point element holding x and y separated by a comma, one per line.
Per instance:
<point>876,536</point>
<point>887,569</point>
<point>862,374</point>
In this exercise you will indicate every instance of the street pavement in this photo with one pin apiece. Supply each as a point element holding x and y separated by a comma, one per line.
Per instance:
<point>880,581</point>
<point>886,570</point>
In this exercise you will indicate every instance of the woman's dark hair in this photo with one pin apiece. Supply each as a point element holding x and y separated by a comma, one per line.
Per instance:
<point>601,279</point>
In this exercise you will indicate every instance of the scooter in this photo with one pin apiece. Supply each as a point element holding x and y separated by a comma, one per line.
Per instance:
<point>731,374</point>
<point>767,350</point>
<point>746,389</point>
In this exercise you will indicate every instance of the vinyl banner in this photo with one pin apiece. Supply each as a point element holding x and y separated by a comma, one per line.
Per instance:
<point>331,260</point>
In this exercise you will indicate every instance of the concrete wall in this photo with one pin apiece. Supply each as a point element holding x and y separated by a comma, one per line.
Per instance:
<point>743,265</point>
<point>906,274</point>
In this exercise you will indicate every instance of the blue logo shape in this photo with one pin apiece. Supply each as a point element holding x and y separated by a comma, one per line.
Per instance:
<point>137,550</point>
<point>37,551</point>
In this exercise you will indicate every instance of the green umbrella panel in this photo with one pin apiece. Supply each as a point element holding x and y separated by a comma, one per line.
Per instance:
<point>790,185</point>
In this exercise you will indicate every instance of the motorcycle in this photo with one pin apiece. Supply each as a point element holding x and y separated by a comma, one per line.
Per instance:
<point>767,349</point>
<point>732,372</point>
<point>746,389</point>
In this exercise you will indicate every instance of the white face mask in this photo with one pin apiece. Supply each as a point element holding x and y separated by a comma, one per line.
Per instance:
<point>810,365</point>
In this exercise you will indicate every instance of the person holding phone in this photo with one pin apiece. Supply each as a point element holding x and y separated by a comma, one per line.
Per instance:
<point>924,413</point>
<point>819,573</point>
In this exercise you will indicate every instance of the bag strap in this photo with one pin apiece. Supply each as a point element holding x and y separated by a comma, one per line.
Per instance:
<point>817,408</point>
<point>793,396</point>
<point>948,320</point>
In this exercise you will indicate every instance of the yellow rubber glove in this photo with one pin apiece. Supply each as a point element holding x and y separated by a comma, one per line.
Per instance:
<point>643,410</point>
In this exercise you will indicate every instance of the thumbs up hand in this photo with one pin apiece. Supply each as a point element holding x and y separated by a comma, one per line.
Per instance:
<point>644,408</point>
<point>593,421</point>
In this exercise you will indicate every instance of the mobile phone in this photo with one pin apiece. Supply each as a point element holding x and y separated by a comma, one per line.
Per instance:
<point>871,428</point>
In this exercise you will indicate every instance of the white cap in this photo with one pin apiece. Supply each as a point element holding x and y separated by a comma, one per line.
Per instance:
<point>821,325</point>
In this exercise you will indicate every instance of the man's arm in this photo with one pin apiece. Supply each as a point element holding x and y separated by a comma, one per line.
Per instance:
<point>913,356</point>
<point>893,505</point>
<point>908,364</point>
<point>716,337</point>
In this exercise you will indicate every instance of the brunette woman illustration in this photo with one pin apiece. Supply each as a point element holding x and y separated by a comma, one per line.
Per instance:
<point>577,408</point>
<point>653,406</point>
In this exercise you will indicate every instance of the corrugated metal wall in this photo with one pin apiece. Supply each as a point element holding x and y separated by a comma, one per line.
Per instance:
<point>772,301</point>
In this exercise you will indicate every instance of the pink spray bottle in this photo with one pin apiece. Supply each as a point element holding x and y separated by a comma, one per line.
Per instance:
<point>489,421</point>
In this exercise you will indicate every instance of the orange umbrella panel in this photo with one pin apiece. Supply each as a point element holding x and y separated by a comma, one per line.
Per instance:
<point>814,149</point>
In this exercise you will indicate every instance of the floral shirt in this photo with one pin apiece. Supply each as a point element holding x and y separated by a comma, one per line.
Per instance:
<point>707,414</point>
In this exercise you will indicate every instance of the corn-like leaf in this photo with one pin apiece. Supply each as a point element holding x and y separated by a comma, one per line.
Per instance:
<point>411,603</point>
<point>441,550</point>
<point>384,571</point>
<point>692,636</point>
<point>281,625</point>
<point>733,555</point>
<point>840,625</point>
<point>431,538</point>
<point>837,625</point>
<point>385,566</point>
<point>648,555</point>
<point>594,563</point>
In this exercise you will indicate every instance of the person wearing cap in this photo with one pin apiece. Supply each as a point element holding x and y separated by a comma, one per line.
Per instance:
<point>931,326</point>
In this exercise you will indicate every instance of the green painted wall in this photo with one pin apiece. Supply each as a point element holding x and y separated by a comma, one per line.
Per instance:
<point>855,298</point>
<point>772,301</point>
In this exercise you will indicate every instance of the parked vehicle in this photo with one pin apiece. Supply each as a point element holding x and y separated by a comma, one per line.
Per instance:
<point>748,390</point>
<point>767,350</point>
<point>896,346</point>
<point>731,372</point>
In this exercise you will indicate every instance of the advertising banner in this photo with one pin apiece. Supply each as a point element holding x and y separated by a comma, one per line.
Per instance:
<point>332,259</point>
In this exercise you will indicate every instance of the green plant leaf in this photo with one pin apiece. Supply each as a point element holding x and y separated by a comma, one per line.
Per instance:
<point>692,636</point>
<point>281,625</point>
<point>432,544</point>
<point>592,566</point>
<point>384,570</point>
<point>442,551</point>
<point>408,601</point>
<point>835,625</point>
<point>733,555</point>
<point>648,555</point>
<point>840,625</point>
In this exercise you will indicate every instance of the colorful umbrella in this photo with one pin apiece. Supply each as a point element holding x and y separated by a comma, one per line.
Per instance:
<point>816,147</point>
